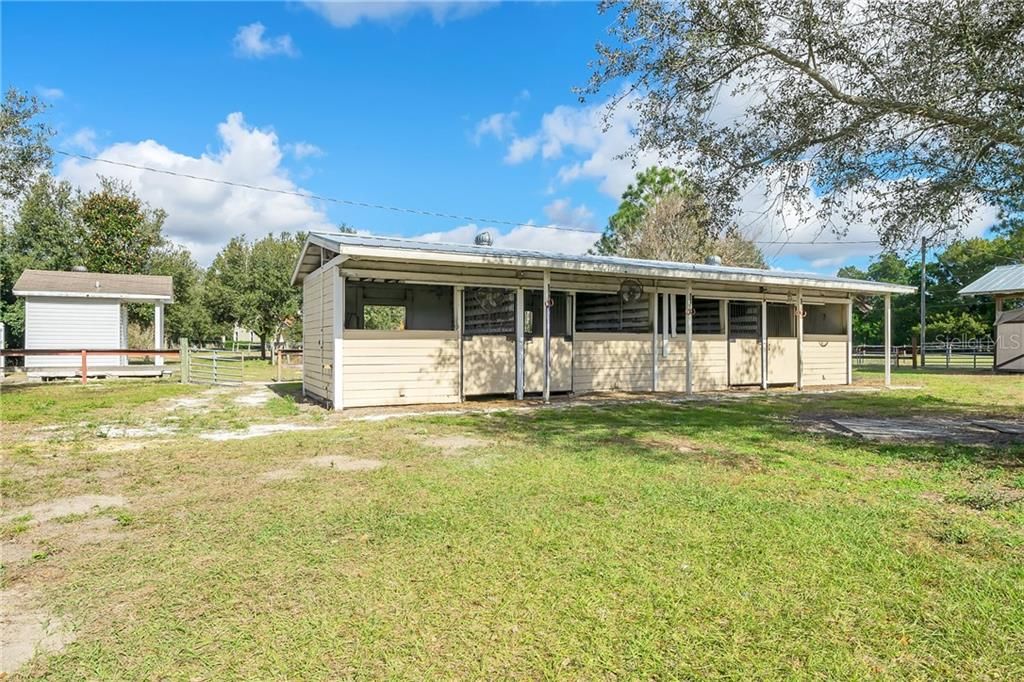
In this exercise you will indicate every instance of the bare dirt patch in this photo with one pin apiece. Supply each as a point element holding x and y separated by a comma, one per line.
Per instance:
<point>255,431</point>
<point>344,463</point>
<point>65,506</point>
<point>256,399</point>
<point>108,431</point>
<point>280,475</point>
<point>26,629</point>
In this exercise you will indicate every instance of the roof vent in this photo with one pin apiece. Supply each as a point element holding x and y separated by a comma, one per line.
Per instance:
<point>713,260</point>
<point>79,268</point>
<point>483,239</point>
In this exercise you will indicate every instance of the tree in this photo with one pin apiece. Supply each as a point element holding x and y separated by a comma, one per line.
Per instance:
<point>663,216</point>
<point>907,115</point>
<point>187,316</point>
<point>868,324</point>
<point>121,231</point>
<point>24,143</point>
<point>250,285</point>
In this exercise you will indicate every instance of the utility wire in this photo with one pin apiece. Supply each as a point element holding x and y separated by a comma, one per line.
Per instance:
<point>396,209</point>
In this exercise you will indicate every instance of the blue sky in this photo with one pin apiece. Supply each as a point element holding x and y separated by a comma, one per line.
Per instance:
<point>464,109</point>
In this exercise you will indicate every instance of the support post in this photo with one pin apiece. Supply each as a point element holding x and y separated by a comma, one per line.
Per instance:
<point>277,353</point>
<point>158,331</point>
<point>520,345</point>
<point>654,339</point>
<point>688,314</point>
<point>85,367</point>
<point>458,312</point>
<point>764,344</point>
<point>799,340</point>
<point>888,340</point>
<point>666,302</point>
<point>183,355</point>
<point>338,328</point>
<point>547,336</point>
<point>849,343</point>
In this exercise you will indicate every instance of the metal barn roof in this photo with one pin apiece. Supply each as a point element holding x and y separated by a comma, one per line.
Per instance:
<point>415,251</point>
<point>94,285</point>
<point>1004,279</point>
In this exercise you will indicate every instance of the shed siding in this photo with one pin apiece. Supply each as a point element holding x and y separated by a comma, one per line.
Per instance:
<point>824,360</point>
<point>400,368</point>
<point>672,368</point>
<point>71,323</point>
<point>1009,345</point>
<point>782,362</point>
<point>710,364</point>
<point>611,362</point>
<point>489,365</point>
<point>318,334</point>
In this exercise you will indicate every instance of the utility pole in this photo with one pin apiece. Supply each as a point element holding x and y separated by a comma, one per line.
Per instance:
<point>924,301</point>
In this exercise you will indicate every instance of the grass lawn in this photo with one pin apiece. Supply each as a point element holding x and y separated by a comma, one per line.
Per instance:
<point>710,539</point>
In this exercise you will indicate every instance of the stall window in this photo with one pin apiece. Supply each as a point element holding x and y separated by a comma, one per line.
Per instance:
<point>744,320</point>
<point>394,306</point>
<point>780,321</point>
<point>533,310</point>
<point>609,313</point>
<point>707,315</point>
<point>829,319</point>
<point>489,312</point>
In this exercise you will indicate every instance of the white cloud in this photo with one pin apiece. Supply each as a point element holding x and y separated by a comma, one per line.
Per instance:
<point>522,237</point>
<point>51,94</point>
<point>251,42</point>
<point>304,150</point>
<point>347,14</point>
<point>523,96</point>
<point>522,149</point>
<point>562,212</point>
<point>203,215</point>
<point>500,125</point>
<point>83,139</point>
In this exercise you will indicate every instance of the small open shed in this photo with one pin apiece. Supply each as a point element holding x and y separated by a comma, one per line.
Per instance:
<point>1003,283</point>
<point>78,310</point>
<point>391,321</point>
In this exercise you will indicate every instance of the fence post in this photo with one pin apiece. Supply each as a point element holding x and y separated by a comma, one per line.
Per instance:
<point>279,365</point>
<point>948,353</point>
<point>214,369</point>
<point>85,368</point>
<point>183,355</point>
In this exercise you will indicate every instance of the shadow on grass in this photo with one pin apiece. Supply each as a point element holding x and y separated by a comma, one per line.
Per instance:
<point>289,389</point>
<point>756,432</point>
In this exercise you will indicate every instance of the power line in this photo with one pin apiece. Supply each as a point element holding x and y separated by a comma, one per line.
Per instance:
<point>396,209</point>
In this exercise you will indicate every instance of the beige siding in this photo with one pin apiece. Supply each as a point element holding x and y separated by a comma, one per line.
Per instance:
<point>488,365</point>
<point>744,362</point>
<point>561,365</point>
<point>318,334</point>
<point>824,360</point>
<point>400,368</point>
<point>672,368</point>
<point>710,364</point>
<point>1010,344</point>
<point>782,367</point>
<point>611,362</point>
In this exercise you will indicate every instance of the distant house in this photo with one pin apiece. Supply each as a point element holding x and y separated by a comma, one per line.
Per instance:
<point>85,310</point>
<point>1002,283</point>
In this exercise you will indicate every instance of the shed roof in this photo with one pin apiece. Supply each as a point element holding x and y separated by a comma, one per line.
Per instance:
<point>1008,316</point>
<point>1004,279</point>
<point>415,251</point>
<point>156,288</point>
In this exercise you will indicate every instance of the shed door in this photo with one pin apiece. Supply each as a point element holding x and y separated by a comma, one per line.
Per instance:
<point>744,343</point>
<point>561,342</point>
<point>488,341</point>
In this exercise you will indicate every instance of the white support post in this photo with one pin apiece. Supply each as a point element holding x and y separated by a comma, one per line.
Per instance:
<point>799,340</point>
<point>849,343</point>
<point>672,314</point>
<point>520,345</point>
<point>459,293</point>
<point>547,336</point>
<point>688,314</point>
<point>764,345</point>
<point>570,324</point>
<point>337,362</point>
<point>665,324</point>
<point>158,331</point>
<point>888,340</point>
<point>654,339</point>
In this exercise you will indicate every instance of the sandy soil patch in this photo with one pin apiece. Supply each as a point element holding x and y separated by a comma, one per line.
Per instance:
<point>255,431</point>
<point>108,431</point>
<point>53,509</point>
<point>343,463</point>
<point>26,629</point>
<point>280,475</point>
<point>255,399</point>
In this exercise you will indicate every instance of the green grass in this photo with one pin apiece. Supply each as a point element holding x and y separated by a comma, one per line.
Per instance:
<point>642,541</point>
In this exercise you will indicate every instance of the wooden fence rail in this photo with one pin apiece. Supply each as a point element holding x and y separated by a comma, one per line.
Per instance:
<point>85,353</point>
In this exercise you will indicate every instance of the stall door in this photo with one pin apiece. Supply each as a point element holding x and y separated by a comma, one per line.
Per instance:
<point>781,332</point>
<point>488,341</point>
<point>744,343</point>
<point>561,342</point>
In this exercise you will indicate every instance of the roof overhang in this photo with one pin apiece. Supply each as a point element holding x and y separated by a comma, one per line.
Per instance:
<point>125,298</point>
<point>420,253</point>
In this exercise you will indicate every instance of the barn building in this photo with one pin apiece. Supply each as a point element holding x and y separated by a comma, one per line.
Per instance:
<point>1004,283</point>
<point>390,321</point>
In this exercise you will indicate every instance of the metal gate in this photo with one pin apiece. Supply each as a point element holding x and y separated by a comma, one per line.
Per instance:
<point>212,367</point>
